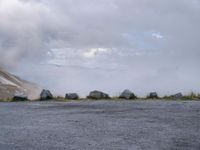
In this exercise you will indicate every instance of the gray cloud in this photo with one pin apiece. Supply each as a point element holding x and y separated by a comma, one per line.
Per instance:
<point>75,45</point>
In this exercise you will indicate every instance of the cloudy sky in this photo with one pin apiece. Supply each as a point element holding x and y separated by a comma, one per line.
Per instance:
<point>109,45</point>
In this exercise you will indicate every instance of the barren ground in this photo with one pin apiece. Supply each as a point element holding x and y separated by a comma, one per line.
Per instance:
<point>100,125</point>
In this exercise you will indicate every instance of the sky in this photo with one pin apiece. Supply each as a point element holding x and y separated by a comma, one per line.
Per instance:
<point>108,45</point>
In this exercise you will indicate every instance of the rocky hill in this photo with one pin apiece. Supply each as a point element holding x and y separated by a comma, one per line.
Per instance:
<point>11,85</point>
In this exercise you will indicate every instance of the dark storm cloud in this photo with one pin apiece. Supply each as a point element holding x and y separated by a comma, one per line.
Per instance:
<point>137,42</point>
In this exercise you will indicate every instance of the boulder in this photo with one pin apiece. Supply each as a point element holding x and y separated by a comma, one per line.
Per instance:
<point>46,95</point>
<point>72,96</point>
<point>20,98</point>
<point>153,95</point>
<point>177,96</point>
<point>127,94</point>
<point>98,95</point>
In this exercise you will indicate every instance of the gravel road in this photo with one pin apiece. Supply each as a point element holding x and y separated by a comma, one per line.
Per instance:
<point>100,125</point>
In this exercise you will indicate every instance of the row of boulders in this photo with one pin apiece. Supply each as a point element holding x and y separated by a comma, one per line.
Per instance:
<point>126,94</point>
<point>46,95</point>
<point>154,95</point>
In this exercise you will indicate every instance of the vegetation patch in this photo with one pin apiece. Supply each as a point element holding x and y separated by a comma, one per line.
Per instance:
<point>191,96</point>
<point>6,100</point>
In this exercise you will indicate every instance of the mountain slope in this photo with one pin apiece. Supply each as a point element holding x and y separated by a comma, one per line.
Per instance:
<point>11,85</point>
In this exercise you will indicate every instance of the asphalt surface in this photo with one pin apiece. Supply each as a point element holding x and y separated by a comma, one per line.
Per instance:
<point>100,125</point>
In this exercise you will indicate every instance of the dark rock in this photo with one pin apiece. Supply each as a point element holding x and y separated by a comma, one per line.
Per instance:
<point>127,94</point>
<point>98,95</point>
<point>20,98</point>
<point>153,95</point>
<point>177,96</point>
<point>72,96</point>
<point>46,95</point>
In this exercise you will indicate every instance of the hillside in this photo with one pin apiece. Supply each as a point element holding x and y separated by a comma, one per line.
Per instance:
<point>11,85</point>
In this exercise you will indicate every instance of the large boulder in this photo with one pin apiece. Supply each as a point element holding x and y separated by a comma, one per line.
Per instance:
<point>20,97</point>
<point>127,94</point>
<point>72,96</point>
<point>177,96</point>
<point>98,95</point>
<point>153,95</point>
<point>46,95</point>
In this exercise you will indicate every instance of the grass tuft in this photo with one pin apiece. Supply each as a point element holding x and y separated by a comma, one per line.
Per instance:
<point>191,96</point>
<point>6,100</point>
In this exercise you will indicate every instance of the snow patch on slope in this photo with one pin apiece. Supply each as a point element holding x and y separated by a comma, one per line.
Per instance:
<point>6,81</point>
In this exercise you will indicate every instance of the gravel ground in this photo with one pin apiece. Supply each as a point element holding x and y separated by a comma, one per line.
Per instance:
<point>100,125</point>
